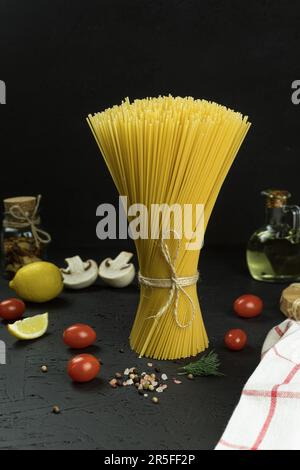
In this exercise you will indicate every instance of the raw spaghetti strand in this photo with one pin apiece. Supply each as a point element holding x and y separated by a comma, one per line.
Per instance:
<point>169,150</point>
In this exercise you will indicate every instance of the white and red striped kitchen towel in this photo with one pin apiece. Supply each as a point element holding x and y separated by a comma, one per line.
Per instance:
<point>267,416</point>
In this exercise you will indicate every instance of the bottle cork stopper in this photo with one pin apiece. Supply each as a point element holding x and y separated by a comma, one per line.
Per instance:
<point>276,198</point>
<point>27,203</point>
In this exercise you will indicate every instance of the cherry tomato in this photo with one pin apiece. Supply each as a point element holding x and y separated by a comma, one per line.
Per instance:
<point>235,339</point>
<point>79,336</point>
<point>12,309</point>
<point>83,368</point>
<point>248,306</point>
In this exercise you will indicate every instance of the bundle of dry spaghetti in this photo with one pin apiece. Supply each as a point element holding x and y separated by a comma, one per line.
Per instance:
<point>167,151</point>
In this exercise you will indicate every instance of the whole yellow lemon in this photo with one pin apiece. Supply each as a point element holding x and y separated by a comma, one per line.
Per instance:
<point>37,282</point>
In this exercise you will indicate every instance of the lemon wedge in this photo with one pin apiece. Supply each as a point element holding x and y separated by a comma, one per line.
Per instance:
<point>29,328</point>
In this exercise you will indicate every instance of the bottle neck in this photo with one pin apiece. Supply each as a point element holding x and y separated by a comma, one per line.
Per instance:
<point>274,216</point>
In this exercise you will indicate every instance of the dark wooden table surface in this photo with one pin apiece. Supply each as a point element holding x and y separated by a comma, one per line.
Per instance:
<point>95,416</point>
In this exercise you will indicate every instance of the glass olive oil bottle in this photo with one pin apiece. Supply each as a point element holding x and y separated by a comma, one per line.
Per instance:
<point>273,252</point>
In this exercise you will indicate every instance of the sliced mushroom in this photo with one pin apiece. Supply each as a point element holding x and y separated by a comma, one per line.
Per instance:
<point>117,272</point>
<point>79,274</point>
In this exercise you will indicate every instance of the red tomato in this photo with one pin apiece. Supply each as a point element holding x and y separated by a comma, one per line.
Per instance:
<point>79,336</point>
<point>83,368</point>
<point>248,306</point>
<point>235,339</point>
<point>12,309</point>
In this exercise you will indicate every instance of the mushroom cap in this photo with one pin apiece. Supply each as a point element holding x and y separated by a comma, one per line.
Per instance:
<point>117,272</point>
<point>79,274</point>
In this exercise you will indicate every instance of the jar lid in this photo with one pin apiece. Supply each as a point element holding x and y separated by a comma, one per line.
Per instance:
<point>27,203</point>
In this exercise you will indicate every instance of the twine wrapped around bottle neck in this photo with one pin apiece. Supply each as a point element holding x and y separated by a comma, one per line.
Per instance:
<point>175,284</point>
<point>17,217</point>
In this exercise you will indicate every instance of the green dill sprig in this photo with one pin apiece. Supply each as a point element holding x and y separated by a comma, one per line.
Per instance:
<point>208,364</point>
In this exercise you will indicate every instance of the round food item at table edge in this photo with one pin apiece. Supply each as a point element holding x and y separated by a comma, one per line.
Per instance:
<point>248,306</point>
<point>79,336</point>
<point>235,339</point>
<point>39,281</point>
<point>83,368</point>
<point>12,309</point>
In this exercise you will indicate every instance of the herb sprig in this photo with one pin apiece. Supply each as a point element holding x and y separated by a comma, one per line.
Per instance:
<point>208,364</point>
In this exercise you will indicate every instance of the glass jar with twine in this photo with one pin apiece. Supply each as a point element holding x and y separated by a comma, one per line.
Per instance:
<point>23,240</point>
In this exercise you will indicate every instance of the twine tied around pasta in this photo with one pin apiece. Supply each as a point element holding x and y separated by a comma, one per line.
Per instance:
<point>175,284</point>
<point>18,218</point>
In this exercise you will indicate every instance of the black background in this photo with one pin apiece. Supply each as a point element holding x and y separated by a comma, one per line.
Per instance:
<point>64,59</point>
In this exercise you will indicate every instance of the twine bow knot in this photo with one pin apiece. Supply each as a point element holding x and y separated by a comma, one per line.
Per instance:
<point>175,284</point>
<point>23,219</point>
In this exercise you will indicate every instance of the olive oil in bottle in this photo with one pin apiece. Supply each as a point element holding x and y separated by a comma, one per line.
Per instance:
<point>273,251</point>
